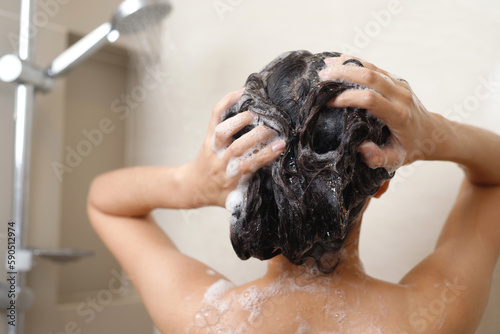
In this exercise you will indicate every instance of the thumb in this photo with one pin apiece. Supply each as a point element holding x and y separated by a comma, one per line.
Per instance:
<point>390,157</point>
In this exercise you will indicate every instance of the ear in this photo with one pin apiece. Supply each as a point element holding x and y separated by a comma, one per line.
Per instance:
<point>382,189</point>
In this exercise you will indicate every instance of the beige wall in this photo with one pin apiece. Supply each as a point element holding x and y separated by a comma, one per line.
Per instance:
<point>444,49</point>
<point>79,16</point>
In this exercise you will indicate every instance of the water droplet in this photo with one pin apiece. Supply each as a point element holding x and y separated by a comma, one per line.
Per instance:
<point>199,320</point>
<point>211,317</point>
<point>340,317</point>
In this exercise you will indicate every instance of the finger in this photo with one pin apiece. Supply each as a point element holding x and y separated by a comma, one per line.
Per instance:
<point>362,76</point>
<point>262,158</point>
<point>252,139</point>
<point>227,101</point>
<point>390,157</point>
<point>375,103</point>
<point>394,78</point>
<point>371,66</point>
<point>400,81</point>
<point>224,131</point>
<point>345,58</point>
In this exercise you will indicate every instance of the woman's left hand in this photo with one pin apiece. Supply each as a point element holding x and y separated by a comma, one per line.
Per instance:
<point>208,176</point>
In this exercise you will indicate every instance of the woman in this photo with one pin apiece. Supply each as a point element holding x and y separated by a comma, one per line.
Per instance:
<point>315,281</point>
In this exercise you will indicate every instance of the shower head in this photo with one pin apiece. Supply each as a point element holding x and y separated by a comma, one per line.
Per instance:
<point>131,16</point>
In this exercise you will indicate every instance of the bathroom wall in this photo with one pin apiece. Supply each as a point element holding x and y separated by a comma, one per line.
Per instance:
<point>447,50</point>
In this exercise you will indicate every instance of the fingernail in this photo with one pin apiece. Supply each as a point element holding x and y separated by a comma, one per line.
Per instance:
<point>241,90</point>
<point>324,73</point>
<point>329,61</point>
<point>368,148</point>
<point>279,146</point>
<point>365,145</point>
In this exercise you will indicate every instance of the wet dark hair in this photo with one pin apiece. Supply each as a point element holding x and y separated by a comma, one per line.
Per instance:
<point>303,205</point>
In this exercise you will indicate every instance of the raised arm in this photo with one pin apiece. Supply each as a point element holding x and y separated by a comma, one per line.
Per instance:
<point>417,134</point>
<point>469,245</point>
<point>120,203</point>
<point>477,151</point>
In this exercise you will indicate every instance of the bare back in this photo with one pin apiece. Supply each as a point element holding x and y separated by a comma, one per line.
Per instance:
<point>305,301</point>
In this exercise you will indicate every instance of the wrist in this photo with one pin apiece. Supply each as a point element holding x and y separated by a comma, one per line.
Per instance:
<point>185,185</point>
<point>444,139</point>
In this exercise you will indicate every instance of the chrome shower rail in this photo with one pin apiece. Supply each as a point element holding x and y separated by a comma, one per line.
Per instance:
<point>24,103</point>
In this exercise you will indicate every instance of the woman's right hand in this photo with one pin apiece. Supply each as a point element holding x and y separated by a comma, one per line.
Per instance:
<point>222,161</point>
<point>416,134</point>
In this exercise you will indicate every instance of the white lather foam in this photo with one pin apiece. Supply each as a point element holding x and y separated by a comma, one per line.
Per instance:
<point>216,290</point>
<point>237,196</point>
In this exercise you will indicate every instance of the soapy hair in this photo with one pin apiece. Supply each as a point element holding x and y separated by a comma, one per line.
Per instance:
<point>303,205</point>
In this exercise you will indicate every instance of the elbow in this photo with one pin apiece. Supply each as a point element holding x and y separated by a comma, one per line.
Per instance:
<point>98,200</point>
<point>91,202</point>
<point>95,194</point>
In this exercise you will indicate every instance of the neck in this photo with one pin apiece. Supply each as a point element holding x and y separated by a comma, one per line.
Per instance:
<point>350,263</point>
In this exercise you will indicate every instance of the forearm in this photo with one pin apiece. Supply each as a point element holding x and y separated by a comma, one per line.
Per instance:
<point>136,191</point>
<point>476,149</point>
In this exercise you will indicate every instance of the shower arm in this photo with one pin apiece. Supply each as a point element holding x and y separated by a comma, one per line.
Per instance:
<point>21,71</point>
<point>82,50</point>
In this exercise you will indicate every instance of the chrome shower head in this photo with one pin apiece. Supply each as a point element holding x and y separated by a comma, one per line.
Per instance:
<point>132,16</point>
